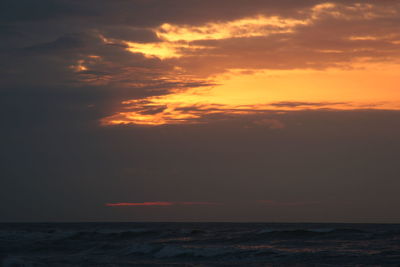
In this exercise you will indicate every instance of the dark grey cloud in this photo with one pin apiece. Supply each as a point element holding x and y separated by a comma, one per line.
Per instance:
<point>41,47</point>
<point>63,43</point>
<point>155,12</point>
<point>130,33</point>
<point>144,13</point>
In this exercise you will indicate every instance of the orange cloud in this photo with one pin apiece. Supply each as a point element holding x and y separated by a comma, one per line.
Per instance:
<point>177,39</point>
<point>323,58</point>
<point>369,86</point>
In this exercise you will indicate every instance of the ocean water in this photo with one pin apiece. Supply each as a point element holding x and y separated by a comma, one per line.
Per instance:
<point>199,244</point>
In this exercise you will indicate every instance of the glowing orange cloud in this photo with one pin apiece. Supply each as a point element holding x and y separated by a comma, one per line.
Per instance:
<point>365,87</point>
<point>269,64</point>
<point>158,203</point>
<point>177,38</point>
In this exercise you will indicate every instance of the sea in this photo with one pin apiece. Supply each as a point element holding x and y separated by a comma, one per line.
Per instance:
<point>199,244</point>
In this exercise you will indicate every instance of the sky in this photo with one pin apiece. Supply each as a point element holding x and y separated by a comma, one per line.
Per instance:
<point>189,110</point>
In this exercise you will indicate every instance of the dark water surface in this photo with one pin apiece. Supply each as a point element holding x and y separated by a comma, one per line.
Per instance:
<point>199,244</point>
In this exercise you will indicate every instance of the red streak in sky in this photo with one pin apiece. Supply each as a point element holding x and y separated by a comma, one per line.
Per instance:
<point>159,203</point>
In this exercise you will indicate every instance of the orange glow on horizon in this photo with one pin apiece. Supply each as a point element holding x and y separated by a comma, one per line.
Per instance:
<point>275,90</point>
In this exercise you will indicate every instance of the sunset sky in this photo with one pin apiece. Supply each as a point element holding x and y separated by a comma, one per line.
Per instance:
<point>188,110</point>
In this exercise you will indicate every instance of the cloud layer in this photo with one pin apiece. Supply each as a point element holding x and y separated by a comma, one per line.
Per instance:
<point>296,101</point>
<point>129,50</point>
